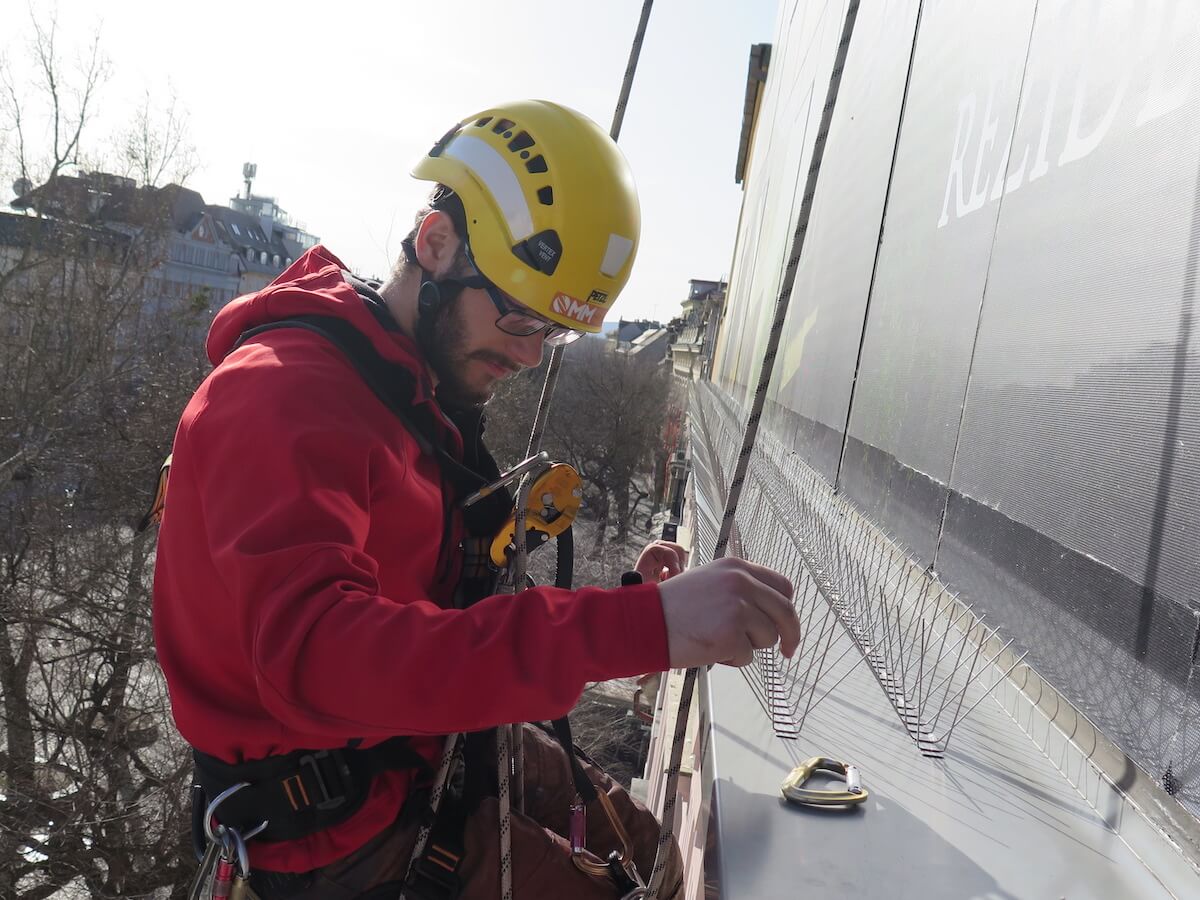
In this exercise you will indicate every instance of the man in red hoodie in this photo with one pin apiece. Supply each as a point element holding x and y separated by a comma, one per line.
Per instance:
<point>315,614</point>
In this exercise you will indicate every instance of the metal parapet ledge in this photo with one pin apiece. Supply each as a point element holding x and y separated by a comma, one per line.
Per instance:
<point>1126,802</point>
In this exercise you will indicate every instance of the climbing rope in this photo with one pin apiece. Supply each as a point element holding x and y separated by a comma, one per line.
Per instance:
<point>451,750</point>
<point>509,761</point>
<point>749,437</point>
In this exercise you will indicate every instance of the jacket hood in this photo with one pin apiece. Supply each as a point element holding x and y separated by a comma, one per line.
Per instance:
<point>315,284</point>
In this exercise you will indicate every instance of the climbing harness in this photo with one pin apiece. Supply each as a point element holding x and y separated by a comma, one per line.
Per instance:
<point>291,795</point>
<point>299,793</point>
<point>794,789</point>
<point>748,439</point>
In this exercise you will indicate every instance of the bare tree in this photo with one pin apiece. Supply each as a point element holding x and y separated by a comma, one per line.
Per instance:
<point>607,420</point>
<point>92,378</point>
<point>64,108</point>
<point>155,145</point>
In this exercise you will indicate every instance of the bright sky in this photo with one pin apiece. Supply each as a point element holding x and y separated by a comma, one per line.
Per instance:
<point>334,102</point>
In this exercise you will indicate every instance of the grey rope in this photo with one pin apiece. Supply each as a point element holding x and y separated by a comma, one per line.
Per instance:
<point>509,745</point>
<point>635,53</point>
<point>521,555</point>
<point>509,742</point>
<point>749,437</point>
<point>504,760</point>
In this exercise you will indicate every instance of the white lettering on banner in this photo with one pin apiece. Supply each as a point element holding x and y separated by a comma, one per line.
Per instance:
<point>986,141</point>
<point>954,181</point>
<point>1156,73</point>
<point>566,305</point>
<point>1078,146</point>
<point>1040,165</point>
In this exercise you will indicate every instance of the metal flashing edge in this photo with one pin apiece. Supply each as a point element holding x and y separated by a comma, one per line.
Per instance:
<point>1152,823</point>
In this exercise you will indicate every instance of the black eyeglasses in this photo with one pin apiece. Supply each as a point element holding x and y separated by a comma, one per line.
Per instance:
<point>515,318</point>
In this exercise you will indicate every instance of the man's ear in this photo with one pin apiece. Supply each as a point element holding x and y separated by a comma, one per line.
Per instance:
<point>437,244</point>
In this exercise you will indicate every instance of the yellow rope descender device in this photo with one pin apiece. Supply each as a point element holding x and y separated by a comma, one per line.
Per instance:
<point>794,790</point>
<point>554,500</point>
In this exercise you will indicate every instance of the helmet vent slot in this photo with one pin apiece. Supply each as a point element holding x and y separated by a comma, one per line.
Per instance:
<point>481,122</point>
<point>546,195</point>
<point>440,146</point>
<point>537,165</point>
<point>503,125</point>
<point>521,142</point>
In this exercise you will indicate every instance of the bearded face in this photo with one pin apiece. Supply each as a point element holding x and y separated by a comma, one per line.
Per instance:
<point>469,363</point>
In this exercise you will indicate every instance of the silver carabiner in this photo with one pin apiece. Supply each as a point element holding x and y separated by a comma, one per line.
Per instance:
<point>211,812</point>
<point>239,849</point>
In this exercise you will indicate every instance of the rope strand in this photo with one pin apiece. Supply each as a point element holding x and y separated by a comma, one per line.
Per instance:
<point>749,437</point>
<point>509,762</point>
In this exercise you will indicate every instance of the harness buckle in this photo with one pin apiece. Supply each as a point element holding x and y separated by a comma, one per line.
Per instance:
<point>794,790</point>
<point>313,761</point>
<point>433,877</point>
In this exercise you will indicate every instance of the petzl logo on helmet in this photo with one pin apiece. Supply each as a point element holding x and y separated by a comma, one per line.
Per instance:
<point>566,305</point>
<point>600,297</point>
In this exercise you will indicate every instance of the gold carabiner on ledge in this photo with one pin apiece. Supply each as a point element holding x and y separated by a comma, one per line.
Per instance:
<point>794,790</point>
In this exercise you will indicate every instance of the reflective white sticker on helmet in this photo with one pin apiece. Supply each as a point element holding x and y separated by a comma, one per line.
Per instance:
<point>615,255</point>
<point>494,172</point>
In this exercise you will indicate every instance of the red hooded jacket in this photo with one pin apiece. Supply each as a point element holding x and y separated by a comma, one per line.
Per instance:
<point>297,597</point>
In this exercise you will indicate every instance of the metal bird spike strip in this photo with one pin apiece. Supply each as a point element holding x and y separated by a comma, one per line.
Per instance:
<point>787,689</point>
<point>859,595</point>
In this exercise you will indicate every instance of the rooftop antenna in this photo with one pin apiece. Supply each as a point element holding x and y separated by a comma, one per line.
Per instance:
<point>249,170</point>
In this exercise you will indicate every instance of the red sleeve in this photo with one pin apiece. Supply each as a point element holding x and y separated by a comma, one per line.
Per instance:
<point>284,459</point>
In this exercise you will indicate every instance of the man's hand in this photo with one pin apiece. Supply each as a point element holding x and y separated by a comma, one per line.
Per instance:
<point>724,611</point>
<point>660,560</point>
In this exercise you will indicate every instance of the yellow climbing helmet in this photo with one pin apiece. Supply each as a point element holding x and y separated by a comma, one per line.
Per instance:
<point>552,211</point>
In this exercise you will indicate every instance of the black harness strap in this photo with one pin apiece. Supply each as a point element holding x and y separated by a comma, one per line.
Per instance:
<point>583,784</point>
<point>304,791</point>
<point>434,874</point>
<point>395,386</point>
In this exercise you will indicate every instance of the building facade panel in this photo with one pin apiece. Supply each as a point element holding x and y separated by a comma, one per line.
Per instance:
<point>930,278</point>
<point>1023,414</point>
